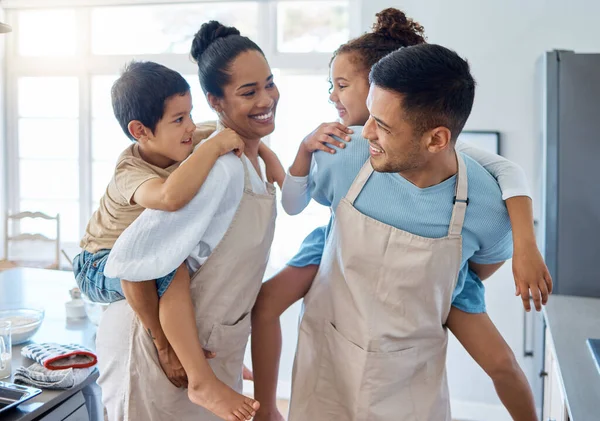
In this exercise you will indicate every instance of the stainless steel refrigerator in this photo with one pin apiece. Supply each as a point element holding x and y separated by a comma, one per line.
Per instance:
<point>569,230</point>
<point>572,166</point>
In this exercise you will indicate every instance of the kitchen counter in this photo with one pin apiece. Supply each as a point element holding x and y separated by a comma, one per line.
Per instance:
<point>48,289</point>
<point>570,322</point>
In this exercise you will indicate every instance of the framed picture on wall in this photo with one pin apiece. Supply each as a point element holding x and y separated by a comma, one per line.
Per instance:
<point>487,140</point>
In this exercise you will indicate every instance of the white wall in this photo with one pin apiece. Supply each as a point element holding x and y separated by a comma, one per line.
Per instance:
<point>502,40</point>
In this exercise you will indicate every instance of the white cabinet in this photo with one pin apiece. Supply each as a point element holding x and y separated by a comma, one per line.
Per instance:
<point>73,409</point>
<point>555,407</point>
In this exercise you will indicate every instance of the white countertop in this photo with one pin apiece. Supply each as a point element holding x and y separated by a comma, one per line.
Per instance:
<point>571,321</point>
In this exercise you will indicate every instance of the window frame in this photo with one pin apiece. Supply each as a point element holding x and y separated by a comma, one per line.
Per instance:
<point>84,65</point>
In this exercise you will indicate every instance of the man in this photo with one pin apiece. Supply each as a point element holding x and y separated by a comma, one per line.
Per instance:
<point>372,342</point>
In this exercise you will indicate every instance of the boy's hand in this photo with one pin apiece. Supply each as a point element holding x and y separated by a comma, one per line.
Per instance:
<point>322,136</point>
<point>170,364</point>
<point>531,274</point>
<point>227,141</point>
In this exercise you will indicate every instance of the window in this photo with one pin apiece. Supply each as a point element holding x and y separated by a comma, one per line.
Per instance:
<point>107,138</point>
<point>48,148</point>
<point>295,119</point>
<point>167,28</point>
<point>201,110</point>
<point>50,33</point>
<point>306,26</point>
<point>63,140</point>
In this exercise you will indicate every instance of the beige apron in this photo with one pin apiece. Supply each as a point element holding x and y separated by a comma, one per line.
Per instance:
<point>224,290</point>
<point>372,341</point>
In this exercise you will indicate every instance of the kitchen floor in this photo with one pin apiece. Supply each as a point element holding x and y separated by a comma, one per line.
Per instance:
<point>283,405</point>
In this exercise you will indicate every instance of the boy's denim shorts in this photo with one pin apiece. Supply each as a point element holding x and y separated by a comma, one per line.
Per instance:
<point>89,273</point>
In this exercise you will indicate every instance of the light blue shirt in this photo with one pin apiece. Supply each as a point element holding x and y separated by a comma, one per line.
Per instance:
<point>393,200</point>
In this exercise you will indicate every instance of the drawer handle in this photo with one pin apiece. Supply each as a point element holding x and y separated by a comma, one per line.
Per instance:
<point>527,352</point>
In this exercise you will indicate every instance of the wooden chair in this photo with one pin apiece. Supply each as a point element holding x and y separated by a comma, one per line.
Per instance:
<point>53,263</point>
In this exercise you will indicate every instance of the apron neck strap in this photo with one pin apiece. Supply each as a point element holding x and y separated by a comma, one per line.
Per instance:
<point>247,182</point>
<point>359,182</point>
<point>461,199</point>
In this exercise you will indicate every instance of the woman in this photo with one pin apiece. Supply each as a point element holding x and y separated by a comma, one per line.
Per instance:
<point>224,235</point>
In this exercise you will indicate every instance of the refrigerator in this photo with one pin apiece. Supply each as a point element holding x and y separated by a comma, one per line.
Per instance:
<point>569,229</point>
<point>572,171</point>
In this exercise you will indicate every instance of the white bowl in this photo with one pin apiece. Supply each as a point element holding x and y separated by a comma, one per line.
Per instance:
<point>25,323</point>
<point>93,310</point>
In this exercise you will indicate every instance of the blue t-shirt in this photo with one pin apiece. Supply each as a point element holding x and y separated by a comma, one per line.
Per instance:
<point>393,200</point>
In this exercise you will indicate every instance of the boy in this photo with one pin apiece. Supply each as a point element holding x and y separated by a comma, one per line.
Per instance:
<point>152,105</point>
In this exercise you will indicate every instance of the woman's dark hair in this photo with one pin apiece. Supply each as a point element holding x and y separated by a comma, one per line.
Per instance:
<point>392,30</point>
<point>214,48</point>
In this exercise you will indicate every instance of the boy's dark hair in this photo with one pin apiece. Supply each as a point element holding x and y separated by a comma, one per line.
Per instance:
<point>141,91</point>
<point>435,83</point>
<point>214,48</point>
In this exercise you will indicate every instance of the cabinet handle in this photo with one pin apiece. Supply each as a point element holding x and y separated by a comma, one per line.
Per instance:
<point>526,352</point>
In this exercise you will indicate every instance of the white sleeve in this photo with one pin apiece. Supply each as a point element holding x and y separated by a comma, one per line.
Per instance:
<point>295,193</point>
<point>510,176</point>
<point>157,242</point>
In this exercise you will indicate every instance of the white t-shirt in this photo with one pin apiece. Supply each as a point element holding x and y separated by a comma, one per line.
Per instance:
<point>157,242</point>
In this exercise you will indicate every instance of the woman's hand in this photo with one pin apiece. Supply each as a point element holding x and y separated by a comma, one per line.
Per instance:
<point>273,168</point>
<point>171,366</point>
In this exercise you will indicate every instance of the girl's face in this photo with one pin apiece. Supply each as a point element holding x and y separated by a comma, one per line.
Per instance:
<point>350,88</point>
<point>250,98</point>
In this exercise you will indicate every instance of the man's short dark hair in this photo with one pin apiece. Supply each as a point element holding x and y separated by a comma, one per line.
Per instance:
<point>435,83</point>
<point>141,91</point>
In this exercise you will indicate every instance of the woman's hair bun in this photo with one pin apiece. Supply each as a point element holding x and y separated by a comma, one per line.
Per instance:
<point>209,32</point>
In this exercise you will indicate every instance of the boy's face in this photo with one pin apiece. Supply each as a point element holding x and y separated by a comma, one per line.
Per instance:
<point>171,141</point>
